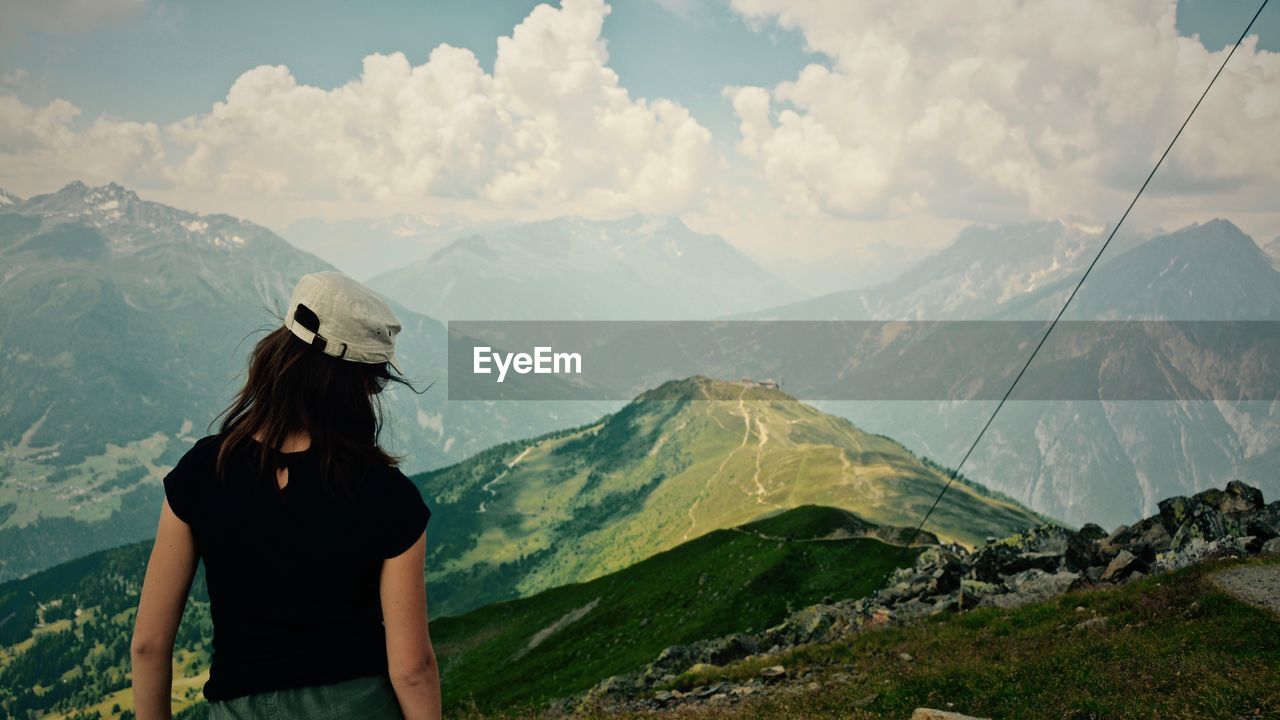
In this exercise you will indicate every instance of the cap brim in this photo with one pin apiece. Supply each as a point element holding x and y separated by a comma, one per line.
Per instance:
<point>395,363</point>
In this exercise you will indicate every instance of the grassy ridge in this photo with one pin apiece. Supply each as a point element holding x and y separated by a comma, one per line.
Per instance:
<point>1171,647</point>
<point>568,638</point>
<point>684,459</point>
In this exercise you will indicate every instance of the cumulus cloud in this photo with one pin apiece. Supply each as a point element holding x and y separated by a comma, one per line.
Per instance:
<point>1000,108</point>
<point>550,128</point>
<point>40,147</point>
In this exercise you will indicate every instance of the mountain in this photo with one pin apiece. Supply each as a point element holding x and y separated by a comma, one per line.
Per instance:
<point>124,325</point>
<point>638,268</point>
<point>1111,461</point>
<point>679,461</point>
<point>8,198</point>
<point>1209,271</point>
<point>1273,252</point>
<point>975,276</point>
<point>365,247</point>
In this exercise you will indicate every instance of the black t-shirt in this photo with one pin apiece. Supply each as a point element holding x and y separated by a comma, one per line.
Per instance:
<point>293,582</point>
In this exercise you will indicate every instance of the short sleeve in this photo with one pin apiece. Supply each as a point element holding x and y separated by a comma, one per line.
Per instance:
<point>403,514</point>
<point>180,487</point>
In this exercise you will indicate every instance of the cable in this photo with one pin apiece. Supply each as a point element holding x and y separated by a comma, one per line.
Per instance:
<point>1052,325</point>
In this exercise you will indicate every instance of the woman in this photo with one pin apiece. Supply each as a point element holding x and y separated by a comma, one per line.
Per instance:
<point>313,540</point>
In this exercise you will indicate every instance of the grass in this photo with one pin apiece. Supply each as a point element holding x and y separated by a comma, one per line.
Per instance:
<point>1172,647</point>
<point>723,582</point>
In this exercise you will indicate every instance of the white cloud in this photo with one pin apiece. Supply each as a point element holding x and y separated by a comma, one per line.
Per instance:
<point>40,148</point>
<point>999,109</point>
<point>551,128</point>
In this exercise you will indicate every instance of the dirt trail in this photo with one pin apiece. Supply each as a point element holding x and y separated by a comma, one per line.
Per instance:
<point>1255,584</point>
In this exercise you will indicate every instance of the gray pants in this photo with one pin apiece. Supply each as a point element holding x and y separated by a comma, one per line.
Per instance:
<point>370,697</point>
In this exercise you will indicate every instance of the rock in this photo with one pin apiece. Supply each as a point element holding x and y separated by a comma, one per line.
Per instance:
<point>1238,498</point>
<point>1145,539</point>
<point>931,714</point>
<point>724,650</point>
<point>1123,565</point>
<point>880,617</point>
<point>1271,547</point>
<point>1032,586</point>
<point>1198,551</point>
<point>1265,523</point>
<point>773,673</point>
<point>1090,532</point>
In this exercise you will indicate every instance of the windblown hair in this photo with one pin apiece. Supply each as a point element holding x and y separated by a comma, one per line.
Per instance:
<point>292,387</point>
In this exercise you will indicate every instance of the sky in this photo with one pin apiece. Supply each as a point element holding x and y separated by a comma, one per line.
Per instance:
<point>813,134</point>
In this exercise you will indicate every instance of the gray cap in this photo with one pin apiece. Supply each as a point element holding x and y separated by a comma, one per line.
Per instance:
<point>343,318</point>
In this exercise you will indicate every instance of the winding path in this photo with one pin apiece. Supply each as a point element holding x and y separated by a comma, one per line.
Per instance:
<point>1255,584</point>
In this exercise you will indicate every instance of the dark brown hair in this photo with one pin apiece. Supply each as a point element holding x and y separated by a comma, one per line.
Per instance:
<point>292,387</point>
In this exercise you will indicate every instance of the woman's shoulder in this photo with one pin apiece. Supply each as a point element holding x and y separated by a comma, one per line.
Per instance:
<point>200,451</point>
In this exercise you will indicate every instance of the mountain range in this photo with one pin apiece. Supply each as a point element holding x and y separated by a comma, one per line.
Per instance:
<point>1103,460</point>
<point>637,268</point>
<point>365,247</point>
<point>124,328</point>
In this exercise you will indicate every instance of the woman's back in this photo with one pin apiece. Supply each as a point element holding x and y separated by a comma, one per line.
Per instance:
<point>293,577</point>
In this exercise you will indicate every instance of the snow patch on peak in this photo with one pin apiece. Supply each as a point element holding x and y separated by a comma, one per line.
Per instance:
<point>195,226</point>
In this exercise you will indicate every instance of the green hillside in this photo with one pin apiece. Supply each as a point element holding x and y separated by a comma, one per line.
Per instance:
<point>681,460</point>
<point>64,636</point>
<point>1172,647</point>
<point>568,638</point>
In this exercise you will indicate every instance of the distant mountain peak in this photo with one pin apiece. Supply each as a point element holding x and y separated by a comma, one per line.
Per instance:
<point>7,198</point>
<point>100,193</point>
<point>101,203</point>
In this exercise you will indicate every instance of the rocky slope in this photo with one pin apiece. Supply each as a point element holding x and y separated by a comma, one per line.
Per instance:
<point>1031,566</point>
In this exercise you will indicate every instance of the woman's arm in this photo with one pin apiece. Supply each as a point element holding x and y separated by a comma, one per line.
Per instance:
<point>164,596</point>
<point>411,661</point>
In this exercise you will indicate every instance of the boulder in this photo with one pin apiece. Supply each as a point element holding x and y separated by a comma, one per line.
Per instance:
<point>1146,539</point>
<point>724,650</point>
<point>1032,586</point>
<point>1197,551</point>
<point>1271,547</point>
<point>1237,498</point>
<point>1123,565</point>
<point>1046,548</point>
<point>1090,532</point>
<point>1265,523</point>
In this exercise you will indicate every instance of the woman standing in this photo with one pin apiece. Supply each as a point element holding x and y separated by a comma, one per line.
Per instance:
<point>313,540</point>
